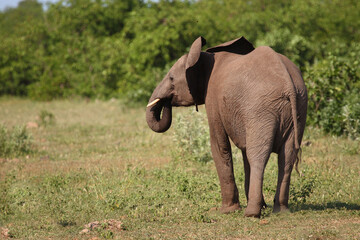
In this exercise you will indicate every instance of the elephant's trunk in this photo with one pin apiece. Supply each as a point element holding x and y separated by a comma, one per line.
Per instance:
<point>154,119</point>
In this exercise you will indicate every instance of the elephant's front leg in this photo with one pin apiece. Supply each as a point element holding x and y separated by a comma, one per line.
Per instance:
<point>221,151</point>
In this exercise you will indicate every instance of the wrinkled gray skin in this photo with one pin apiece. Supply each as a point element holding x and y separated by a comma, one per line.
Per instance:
<point>255,97</point>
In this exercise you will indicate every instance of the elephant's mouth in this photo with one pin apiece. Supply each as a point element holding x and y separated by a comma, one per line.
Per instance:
<point>159,115</point>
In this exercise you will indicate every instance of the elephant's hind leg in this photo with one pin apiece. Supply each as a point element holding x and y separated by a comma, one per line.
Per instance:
<point>259,144</point>
<point>286,160</point>
<point>258,158</point>
<point>221,151</point>
<point>247,178</point>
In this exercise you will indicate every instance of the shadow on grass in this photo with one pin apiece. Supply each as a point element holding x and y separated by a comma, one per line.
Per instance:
<point>329,205</point>
<point>313,207</point>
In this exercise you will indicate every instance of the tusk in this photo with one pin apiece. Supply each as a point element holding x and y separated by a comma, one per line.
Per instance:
<point>153,102</point>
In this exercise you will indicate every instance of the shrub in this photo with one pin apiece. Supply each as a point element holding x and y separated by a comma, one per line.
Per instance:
<point>333,88</point>
<point>46,118</point>
<point>301,189</point>
<point>14,142</point>
<point>192,138</point>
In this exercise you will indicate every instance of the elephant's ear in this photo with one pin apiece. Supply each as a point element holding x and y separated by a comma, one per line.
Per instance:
<point>194,75</point>
<point>238,46</point>
<point>194,52</point>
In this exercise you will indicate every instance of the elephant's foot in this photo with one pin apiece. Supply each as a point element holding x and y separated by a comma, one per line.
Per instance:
<point>229,209</point>
<point>253,211</point>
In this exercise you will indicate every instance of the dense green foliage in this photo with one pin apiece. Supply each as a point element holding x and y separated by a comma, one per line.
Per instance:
<point>334,87</point>
<point>122,48</point>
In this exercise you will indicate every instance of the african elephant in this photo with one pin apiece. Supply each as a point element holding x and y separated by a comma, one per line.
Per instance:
<point>255,97</point>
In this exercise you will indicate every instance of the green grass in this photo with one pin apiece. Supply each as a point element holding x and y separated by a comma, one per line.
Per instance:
<point>99,160</point>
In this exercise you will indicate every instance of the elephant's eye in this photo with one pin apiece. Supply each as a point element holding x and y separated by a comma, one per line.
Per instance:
<point>171,78</point>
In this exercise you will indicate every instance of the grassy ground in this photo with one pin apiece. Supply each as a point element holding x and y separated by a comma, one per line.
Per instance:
<point>99,161</point>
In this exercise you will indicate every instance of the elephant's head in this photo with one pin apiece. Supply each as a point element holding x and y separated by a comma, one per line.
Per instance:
<point>186,82</point>
<point>183,85</point>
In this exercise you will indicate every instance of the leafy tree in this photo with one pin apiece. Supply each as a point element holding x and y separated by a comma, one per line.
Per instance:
<point>12,19</point>
<point>98,18</point>
<point>155,36</point>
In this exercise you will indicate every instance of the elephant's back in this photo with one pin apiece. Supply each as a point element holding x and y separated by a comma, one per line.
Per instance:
<point>249,79</point>
<point>250,88</point>
<point>261,74</point>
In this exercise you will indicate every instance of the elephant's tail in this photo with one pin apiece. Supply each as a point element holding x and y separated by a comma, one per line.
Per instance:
<point>294,117</point>
<point>292,96</point>
<point>296,129</point>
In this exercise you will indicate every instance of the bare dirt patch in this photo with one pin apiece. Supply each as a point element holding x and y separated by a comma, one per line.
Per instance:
<point>110,224</point>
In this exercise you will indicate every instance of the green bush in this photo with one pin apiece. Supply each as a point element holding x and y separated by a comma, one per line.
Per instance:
<point>191,137</point>
<point>15,142</point>
<point>333,86</point>
<point>302,188</point>
<point>46,118</point>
